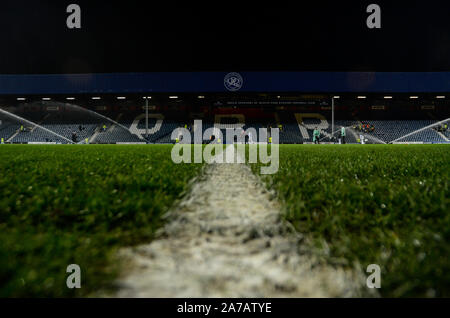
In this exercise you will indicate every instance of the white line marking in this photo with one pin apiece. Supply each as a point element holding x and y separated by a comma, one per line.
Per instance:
<point>227,239</point>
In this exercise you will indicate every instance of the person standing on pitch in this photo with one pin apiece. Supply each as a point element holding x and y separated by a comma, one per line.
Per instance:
<point>343,135</point>
<point>316,135</point>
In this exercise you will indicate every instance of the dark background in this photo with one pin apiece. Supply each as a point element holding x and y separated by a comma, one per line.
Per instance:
<point>144,36</point>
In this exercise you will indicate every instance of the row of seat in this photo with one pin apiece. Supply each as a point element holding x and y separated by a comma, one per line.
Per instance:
<point>293,130</point>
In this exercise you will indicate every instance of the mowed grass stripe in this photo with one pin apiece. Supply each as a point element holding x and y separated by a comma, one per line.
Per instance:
<point>78,204</point>
<point>374,204</point>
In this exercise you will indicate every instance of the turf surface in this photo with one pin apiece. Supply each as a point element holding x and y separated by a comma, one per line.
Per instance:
<point>374,204</point>
<point>61,205</point>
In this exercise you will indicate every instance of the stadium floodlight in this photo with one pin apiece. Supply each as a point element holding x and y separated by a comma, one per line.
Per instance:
<point>21,98</point>
<point>362,97</point>
<point>387,97</point>
<point>201,97</point>
<point>70,98</point>
<point>413,97</point>
<point>46,98</point>
<point>173,97</point>
<point>336,97</point>
<point>147,97</point>
<point>440,97</point>
<point>121,97</point>
<point>96,98</point>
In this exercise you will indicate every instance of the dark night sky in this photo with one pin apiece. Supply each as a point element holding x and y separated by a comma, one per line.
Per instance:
<point>141,36</point>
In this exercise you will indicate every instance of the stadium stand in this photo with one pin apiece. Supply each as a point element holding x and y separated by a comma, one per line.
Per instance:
<point>66,125</point>
<point>7,130</point>
<point>390,130</point>
<point>447,134</point>
<point>115,134</point>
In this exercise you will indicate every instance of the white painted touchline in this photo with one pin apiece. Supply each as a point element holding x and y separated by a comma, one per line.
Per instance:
<point>227,239</point>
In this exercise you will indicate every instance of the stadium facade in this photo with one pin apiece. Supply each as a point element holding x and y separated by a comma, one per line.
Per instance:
<point>112,108</point>
<point>213,82</point>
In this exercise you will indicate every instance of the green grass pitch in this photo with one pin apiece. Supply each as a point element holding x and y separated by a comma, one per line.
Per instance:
<point>372,204</point>
<point>61,205</point>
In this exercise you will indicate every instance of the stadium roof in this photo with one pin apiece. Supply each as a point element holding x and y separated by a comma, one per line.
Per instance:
<point>215,82</point>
